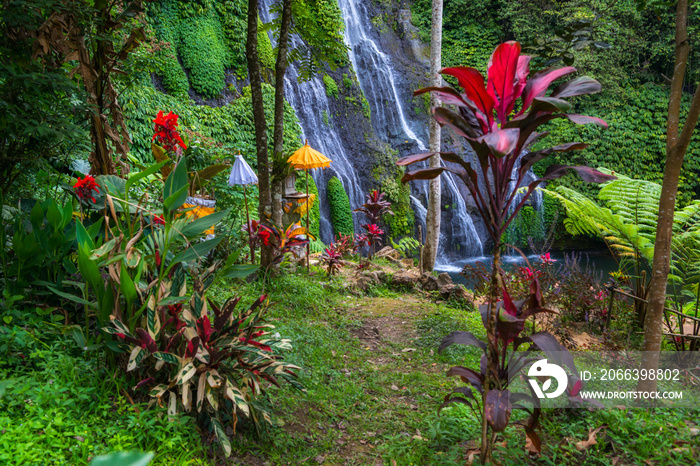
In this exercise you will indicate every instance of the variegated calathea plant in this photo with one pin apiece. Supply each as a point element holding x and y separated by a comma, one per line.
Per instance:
<point>499,118</point>
<point>188,352</point>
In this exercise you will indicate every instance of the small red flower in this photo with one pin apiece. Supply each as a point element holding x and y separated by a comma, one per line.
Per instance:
<point>546,259</point>
<point>84,187</point>
<point>165,131</point>
<point>158,259</point>
<point>158,220</point>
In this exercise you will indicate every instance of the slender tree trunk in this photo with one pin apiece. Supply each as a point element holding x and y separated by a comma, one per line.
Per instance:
<point>676,146</point>
<point>432,220</point>
<point>259,121</point>
<point>280,70</point>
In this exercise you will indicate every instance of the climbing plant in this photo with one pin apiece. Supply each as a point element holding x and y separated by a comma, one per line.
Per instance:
<point>402,222</point>
<point>341,214</point>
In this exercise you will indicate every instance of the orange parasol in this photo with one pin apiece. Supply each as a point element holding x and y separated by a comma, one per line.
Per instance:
<point>305,159</point>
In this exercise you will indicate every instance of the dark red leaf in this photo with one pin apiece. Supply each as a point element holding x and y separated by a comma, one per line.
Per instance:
<point>447,95</point>
<point>591,175</point>
<point>422,174</point>
<point>467,375</point>
<point>192,346</point>
<point>579,86</point>
<point>576,388</point>
<point>554,351</point>
<point>461,338</point>
<point>584,120</point>
<point>549,105</point>
<point>473,84</point>
<point>448,401</point>
<point>521,75</point>
<point>501,82</point>
<point>501,142</point>
<point>538,84</point>
<point>508,304</point>
<point>413,158</point>
<point>497,409</point>
<point>455,122</point>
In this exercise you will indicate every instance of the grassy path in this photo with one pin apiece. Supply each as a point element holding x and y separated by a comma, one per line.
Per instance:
<point>374,382</point>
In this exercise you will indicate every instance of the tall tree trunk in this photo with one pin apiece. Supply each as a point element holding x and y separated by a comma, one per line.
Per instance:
<point>676,146</point>
<point>432,219</point>
<point>280,70</point>
<point>259,121</point>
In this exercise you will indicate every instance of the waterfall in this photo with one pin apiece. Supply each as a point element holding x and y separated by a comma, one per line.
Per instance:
<point>378,80</point>
<point>310,103</point>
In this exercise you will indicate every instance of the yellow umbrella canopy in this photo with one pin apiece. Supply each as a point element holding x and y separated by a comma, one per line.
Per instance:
<point>307,158</point>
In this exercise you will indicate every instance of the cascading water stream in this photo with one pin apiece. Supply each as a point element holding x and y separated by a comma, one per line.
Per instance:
<point>310,103</point>
<point>377,79</point>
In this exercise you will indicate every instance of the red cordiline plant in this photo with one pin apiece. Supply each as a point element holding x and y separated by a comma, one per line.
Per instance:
<point>371,237</point>
<point>344,245</point>
<point>499,120</point>
<point>375,207</point>
<point>332,259</point>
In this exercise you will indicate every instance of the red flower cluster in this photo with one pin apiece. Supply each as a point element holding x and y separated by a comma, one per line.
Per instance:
<point>166,131</point>
<point>547,259</point>
<point>158,220</point>
<point>264,236</point>
<point>84,187</point>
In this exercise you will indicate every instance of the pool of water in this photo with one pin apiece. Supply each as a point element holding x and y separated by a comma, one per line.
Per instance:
<point>600,261</point>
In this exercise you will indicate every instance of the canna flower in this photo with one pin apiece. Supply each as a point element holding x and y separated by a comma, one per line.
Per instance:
<point>84,187</point>
<point>158,220</point>
<point>166,133</point>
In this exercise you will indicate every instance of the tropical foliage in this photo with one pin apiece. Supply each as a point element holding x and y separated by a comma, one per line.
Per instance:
<point>498,132</point>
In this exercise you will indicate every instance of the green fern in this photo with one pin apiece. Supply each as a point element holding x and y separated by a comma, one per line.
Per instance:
<point>626,220</point>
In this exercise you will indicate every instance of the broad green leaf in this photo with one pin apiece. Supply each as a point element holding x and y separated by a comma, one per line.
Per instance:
<point>176,184</point>
<point>71,297</point>
<point>196,251</point>
<point>175,200</point>
<point>199,226</point>
<point>127,285</point>
<point>144,173</point>
<point>240,271</point>
<point>104,249</point>
<point>112,184</point>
